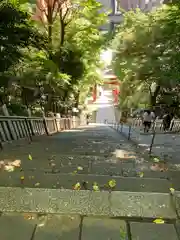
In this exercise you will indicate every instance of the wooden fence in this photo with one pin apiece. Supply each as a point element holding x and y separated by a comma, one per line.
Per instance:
<point>14,128</point>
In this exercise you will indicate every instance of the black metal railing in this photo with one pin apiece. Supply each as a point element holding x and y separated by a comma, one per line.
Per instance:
<point>133,128</point>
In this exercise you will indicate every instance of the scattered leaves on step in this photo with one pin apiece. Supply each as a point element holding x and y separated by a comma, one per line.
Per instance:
<point>159,221</point>
<point>172,190</point>
<point>79,168</point>
<point>37,184</point>
<point>95,187</point>
<point>77,186</point>
<point>30,157</point>
<point>112,183</point>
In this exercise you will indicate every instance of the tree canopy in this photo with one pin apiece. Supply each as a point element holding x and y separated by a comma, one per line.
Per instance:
<point>50,61</point>
<point>147,57</point>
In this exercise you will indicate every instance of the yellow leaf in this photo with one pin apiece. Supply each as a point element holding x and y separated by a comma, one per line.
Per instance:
<point>112,183</point>
<point>159,221</point>
<point>80,168</point>
<point>77,186</point>
<point>172,190</point>
<point>141,174</point>
<point>95,187</point>
<point>30,157</point>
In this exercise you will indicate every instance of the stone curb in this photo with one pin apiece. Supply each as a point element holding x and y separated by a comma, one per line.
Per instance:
<point>84,202</point>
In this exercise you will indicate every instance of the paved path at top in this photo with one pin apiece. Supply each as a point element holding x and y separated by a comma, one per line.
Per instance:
<point>106,109</point>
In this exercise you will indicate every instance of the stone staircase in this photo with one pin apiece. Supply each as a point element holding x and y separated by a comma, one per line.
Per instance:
<point>42,188</point>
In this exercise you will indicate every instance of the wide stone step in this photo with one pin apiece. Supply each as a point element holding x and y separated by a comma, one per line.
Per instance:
<point>74,227</point>
<point>34,179</point>
<point>126,205</point>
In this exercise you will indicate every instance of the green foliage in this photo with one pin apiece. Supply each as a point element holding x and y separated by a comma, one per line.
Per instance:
<point>62,70</point>
<point>147,56</point>
<point>16,33</point>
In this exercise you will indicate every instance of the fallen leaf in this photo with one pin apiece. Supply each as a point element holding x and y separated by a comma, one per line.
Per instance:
<point>28,216</point>
<point>112,183</point>
<point>77,186</point>
<point>159,221</point>
<point>29,157</point>
<point>141,174</point>
<point>95,187</point>
<point>172,190</point>
<point>22,177</point>
<point>80,168</point>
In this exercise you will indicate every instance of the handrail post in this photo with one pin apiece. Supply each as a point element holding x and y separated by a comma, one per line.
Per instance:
<point>28,130</point>
<point>45,126</point>
<point>129,133</point>
<point>121,127</point>
<point>152,141</point>
<point>55,120</point>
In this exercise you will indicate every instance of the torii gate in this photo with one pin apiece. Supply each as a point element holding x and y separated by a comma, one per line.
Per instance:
<point>111,79</point>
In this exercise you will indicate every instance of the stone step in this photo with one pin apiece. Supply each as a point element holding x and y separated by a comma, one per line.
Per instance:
<point>74,227</point>
<point>149,231</point>
<point>124,205</point>
<point>67,181</point>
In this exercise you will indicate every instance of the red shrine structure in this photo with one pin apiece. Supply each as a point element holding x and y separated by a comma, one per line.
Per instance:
<point>111,80</point>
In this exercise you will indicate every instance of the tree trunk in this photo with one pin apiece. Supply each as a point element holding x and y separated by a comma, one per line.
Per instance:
<point>62,32</point>
<point>77,99</point>
<point>50,22</point>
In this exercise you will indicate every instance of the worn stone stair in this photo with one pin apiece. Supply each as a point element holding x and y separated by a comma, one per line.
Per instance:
<point>125,212</point>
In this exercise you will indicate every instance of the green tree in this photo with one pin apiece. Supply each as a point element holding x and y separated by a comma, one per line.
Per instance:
<point>17,34</point>
<point>147,57</point>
